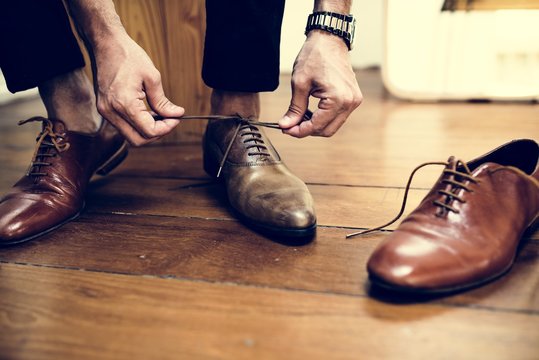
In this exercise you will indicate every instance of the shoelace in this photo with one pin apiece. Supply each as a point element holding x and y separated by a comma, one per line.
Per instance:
<point>245,127</point>
<point>46,139</point>
<point>449,195</point>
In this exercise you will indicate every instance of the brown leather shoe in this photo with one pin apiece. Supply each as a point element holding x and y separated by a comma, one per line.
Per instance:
<point>467,229</point>
<point>52,192</point>
<point>261,189</point>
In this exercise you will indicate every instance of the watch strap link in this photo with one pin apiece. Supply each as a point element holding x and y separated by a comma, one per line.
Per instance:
<point>338,24</point>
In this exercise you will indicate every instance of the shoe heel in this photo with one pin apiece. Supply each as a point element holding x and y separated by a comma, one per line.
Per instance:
<point>114,161</point>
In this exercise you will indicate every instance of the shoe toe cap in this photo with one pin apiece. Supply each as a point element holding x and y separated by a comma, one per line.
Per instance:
<point>413,264</point>
<point>12,230</point>
<point>22,219</point>
<point>299,218</point>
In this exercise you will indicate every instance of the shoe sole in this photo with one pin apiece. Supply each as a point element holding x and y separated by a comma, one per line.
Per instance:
<point>397,289</point>
<point>280,232</point>
<point>103,170</point>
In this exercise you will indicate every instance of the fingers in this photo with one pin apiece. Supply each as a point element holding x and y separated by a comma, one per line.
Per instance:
<point>157,99</point>
<point>331,114</point>
<point>315,126</point>
<point>124,127</point>
<point>134,121</point>
<point>298,104</point>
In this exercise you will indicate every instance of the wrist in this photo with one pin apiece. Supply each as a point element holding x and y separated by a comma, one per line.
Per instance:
<point>97,21</point>
<point>109,43</point>
<point>103,37</point>
<point>318,36</point>
<point>338,6</point>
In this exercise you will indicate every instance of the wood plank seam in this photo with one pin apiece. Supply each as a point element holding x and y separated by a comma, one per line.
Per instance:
<point>435,303</point>
<point>120,175</point>
<point>322,226</point>
<point>121,213</point>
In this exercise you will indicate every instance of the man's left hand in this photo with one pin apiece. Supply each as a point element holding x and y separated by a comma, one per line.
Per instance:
<point>322,70</point>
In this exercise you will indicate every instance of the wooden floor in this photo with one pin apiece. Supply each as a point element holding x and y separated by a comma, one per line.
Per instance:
<point>157,267</point>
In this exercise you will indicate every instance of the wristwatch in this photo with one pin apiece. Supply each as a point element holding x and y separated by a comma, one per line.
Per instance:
<point>338,24</point>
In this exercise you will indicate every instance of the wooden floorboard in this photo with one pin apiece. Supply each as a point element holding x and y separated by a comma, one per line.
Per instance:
<point>158,266</point>
<point>340,206</point>
<point>226,251</point>
<point>60,314</point>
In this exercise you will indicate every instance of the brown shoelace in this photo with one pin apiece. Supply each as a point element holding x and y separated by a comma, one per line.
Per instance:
<point>46,140</point>
<point>245,128</point>
<point>444,206</point>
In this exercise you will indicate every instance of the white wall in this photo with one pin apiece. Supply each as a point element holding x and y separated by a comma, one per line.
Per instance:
<point>369,29</point>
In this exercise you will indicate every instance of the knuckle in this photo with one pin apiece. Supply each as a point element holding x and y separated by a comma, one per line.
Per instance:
<point>137,142</point>
<point>115,103</point>
<point>295,109</point>
<point>104,108</point>
<point>347,100</point>
<point>130,112</point>
<point>155,77</point>
<point>300,81</point>
<point>317,129</point>
<point>358,99</point>
<point>328,133</point>
<point>162,102</point>
<point>148,133</point>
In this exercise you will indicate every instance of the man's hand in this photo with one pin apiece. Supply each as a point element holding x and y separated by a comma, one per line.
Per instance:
<point>322,70</point>
<point>125,78</point>
<point>124,74</point>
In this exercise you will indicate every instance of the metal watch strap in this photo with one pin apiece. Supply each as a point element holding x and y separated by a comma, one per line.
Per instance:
<point>338,24</point>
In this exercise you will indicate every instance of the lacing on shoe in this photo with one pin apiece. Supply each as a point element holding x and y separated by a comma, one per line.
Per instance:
<point>47,139</point>
<point>246,128</point>
<point>455,185</point>
<point>454,178</point>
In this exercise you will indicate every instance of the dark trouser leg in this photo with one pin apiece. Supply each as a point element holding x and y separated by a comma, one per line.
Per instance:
<point>36,43</point>
<point>242,44</point>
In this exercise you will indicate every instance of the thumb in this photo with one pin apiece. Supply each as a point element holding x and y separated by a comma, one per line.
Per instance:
<point>159,102</point>
<point>298,107</point>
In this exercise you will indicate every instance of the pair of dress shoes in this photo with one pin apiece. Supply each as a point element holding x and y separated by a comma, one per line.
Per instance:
<point>464,233</point>
<point>264,193</point>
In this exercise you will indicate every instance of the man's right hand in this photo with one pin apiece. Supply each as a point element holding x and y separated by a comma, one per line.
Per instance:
<point>124,75</point>
<point>125,78</point>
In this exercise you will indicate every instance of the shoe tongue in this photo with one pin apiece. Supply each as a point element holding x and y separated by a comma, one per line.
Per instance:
<point>58,126</point>
<point>452,163</point>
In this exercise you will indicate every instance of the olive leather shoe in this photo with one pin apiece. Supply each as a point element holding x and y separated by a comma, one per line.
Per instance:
<point>264,193</point>
<point>52,191</point>
<point>467,230</point>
